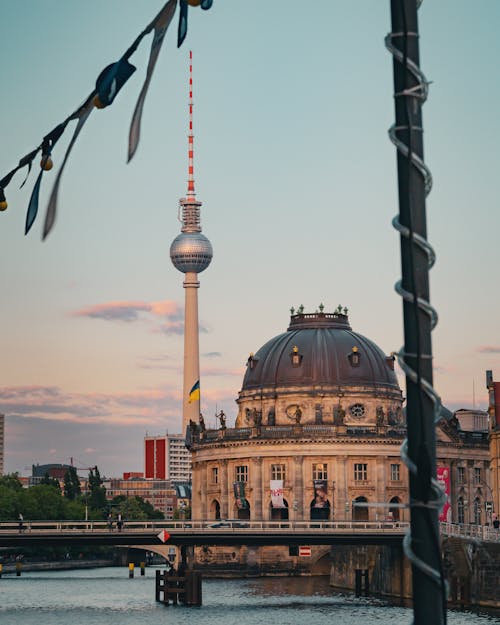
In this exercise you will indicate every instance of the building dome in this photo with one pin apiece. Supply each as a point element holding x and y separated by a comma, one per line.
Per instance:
<point>191,252</point>
<point>319,349</point>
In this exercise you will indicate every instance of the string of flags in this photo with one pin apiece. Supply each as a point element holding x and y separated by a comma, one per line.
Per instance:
<point>108,84</point>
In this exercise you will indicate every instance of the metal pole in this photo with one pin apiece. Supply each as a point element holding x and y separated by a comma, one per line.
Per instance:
<point>409,93</point>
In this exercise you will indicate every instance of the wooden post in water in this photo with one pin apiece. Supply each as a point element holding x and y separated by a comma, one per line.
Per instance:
<point>143,568</point>
<point>131,570</point>
<point>19,567</point>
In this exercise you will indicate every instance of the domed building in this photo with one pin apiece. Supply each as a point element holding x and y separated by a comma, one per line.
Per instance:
<point>317,437</point>
<point>319,427</point>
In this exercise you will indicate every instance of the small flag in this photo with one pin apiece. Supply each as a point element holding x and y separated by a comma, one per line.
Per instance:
<point>194,393</point>
<point>163,536</point>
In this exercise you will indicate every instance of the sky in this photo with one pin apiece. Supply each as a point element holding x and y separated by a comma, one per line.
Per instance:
<point>298,182</point>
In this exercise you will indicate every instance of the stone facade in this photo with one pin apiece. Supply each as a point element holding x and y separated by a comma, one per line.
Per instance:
<point>320,406</point>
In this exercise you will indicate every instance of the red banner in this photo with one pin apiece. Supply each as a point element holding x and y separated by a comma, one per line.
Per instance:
<point>443,477</point>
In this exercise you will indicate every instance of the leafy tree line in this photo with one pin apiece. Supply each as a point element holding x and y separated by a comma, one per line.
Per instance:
<point>46,502</point>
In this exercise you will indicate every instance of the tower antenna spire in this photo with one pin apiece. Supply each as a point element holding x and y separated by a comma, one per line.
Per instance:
<point>190,191</point>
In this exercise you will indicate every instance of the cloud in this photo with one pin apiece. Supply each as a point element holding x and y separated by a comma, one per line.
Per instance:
<point>148,406</point>
<point>489,349</point>
<point>128,311</point>
<point>212,355</point>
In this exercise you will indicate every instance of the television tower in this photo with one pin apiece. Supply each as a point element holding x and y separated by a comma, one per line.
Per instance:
<point>191,253</point>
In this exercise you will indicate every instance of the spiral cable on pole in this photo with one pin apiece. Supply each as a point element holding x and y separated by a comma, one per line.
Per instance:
<point>419,91</point>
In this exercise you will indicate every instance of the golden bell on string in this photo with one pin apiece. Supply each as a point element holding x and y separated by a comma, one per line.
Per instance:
<point>46,163</point>
<point>97,102</point>
<point>194,3</point>
<point>3,205</point>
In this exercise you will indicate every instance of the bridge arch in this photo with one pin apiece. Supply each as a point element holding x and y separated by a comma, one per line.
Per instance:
<point>322,564</point>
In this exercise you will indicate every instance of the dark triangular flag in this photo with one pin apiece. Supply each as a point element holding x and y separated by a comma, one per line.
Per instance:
<point>183,22</point>
<point>82,115</point>
<point>161,24</point>
<point>111,80</point>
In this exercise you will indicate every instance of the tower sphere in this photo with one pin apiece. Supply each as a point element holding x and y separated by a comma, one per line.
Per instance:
<point>191,252</point>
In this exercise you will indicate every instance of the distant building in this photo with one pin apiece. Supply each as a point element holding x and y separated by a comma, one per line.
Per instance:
<point>167,458</point>
<point>2,439</point>
<point>472,420</point>
<point>161,494</point>
<point>55,471</point>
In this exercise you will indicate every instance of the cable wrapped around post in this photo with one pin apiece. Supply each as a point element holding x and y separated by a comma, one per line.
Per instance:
<point>422,544</point>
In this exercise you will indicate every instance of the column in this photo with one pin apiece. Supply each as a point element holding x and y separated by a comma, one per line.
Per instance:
<point>223,490</point>
<point>256,512</point>
<point>298,487</point>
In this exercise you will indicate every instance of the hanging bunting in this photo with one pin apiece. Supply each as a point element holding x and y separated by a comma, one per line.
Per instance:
<point>109,82</point>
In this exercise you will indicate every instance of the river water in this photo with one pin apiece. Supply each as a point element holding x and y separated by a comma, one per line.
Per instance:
<point>108,597</point>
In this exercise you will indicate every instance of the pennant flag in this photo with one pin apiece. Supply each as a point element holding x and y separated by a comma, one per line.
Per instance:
<point>161,24</point>
<point>111,80</point>
<point>50,216</point>
<point>194,393</point>
<point>183,22</point>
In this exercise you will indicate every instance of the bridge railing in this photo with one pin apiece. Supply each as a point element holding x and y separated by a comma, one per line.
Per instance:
<point>210,525</point>
<point>480,532</point>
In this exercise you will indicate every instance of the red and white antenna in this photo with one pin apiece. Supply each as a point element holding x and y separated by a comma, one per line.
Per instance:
<point>190,191</point>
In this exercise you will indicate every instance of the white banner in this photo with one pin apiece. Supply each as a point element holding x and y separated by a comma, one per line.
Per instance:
<point>277,494</point>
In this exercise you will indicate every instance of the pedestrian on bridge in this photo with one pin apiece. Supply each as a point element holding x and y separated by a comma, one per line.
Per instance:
<point>119,522</point>
<point>21,522</point>
<point>110,522</point>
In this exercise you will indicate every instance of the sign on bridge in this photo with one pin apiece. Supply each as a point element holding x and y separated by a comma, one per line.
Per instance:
<point>163,536</point>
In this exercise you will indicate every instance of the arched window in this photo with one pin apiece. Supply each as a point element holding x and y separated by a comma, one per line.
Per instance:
<point>242,513</point>
<point>360,513</point>
<point>278,514</point>
<point>477,511</point>
<point>460,511</point>
<point>394,511</point>
<point>215,510</point>
<point>320,511</point>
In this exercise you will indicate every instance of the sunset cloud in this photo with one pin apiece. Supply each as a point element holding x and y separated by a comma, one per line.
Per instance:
<point>149,406</point>
<point>129,311</point>
<point>489,349</point>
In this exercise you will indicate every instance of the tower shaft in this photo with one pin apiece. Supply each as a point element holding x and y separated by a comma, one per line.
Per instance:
<point>191,400</point>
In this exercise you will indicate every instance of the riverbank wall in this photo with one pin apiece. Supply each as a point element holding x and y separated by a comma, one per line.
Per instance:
<point>471,568</point>
<point>61,565</point>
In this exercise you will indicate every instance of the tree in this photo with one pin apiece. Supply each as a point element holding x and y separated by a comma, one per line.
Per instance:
<point>11,481</point>
<point>97,492</point>
<point>50,481</point>
<point>72,488</point>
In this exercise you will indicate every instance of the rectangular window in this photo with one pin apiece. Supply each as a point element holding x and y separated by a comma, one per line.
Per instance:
<point>242,473</point>
<point>360,472</point>
<point>477,475</point>
<point>395,472</point>
<point>278,472</point>
<point>215,475</point>
<point>320,471</point>
<point>461,475</point>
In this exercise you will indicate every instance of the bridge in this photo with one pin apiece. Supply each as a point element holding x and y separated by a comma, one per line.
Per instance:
<point>220,533</point>
<point>197,533</point>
